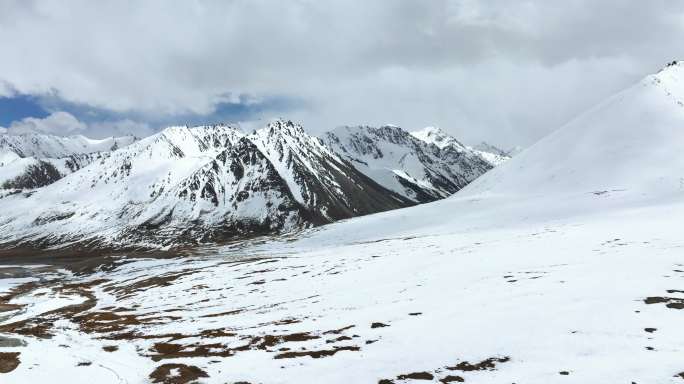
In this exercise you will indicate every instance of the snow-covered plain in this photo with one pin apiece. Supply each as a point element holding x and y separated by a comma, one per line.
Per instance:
<point>564,265</point>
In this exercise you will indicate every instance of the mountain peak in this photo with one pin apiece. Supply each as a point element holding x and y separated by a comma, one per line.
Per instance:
<point>431,131</point>
<point>673,65</point>
<point>437,136</point>
<point>284,126</point>
<point>631,142</point>
<point>41,145</point>
<point>486,147</point>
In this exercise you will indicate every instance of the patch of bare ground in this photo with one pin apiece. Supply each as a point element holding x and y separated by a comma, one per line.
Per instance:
<point>112,322</point>
<point>173,351</point>
<point>133,335</point>
<point>38,327</point>
<point>338,331</point>
<point>464,366</point>
<point>17,291</point>
<point>41,326</point>
<point>487,364</point>
<point>451,379</point>
<point>176,374</point>
<point>338,339</point>
<point>416,376</point>
<point>269,341</point>
<point>315,354</point>
<point>4,307</point>
<point>9,361</point>
<point>379,325</point>
<point>123,291</point>
<point>227,313</point>
<point>167,350</point>
<point>670,302</point>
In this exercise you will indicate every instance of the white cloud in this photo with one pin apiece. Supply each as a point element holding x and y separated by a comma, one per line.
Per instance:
<point>63,123</point>
<point>463,65</point>
<point>55,123</point>
<point>120,128</point>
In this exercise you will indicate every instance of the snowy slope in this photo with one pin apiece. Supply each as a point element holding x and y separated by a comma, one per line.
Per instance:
<point>492,154</point>
<point>405,164</point>
<point>565,271</point>
<point>436,136</point>
<point>189,185</point>
<point>34,160</point>
<point>630,142</point>
<point>40,145</point>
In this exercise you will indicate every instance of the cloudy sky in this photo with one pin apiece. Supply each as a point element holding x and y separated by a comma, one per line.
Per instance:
<point>497,70</point>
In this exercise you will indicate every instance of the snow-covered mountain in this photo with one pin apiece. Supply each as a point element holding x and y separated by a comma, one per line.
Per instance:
<point>562,265</point>
<point>40,145</point>
<point>186,185</point>
<point>629,144</point>
<point>34,160</point>
<point>215,183</point>
<point>437,136</point>
<point>406,164</point>
<point>443,140</point>
<point>493,154</point>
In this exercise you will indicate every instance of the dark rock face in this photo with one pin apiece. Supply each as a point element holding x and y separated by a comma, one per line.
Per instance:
<point>326,188</point>
<point>53,157</point>
<point>36,176</point>
<point>44,172</point>
<point>329,185</point>
<point>78,161</point>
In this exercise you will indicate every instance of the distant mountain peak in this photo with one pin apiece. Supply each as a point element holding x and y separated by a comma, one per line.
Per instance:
<point>40,145</point>
<point>283,126</point>
<point>438,137</point>
<point>406,164</point>
<point>485,146</point>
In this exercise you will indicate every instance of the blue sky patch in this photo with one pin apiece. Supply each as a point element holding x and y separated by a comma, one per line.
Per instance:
<point>18,107</point>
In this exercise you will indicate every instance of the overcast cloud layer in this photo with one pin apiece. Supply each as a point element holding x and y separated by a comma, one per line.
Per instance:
<point>503,71</point>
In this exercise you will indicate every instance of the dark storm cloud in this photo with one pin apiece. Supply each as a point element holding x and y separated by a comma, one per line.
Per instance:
<point>503,71</point>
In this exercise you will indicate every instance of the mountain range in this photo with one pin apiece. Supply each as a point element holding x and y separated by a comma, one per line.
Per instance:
<point>190,185</point>
<point>564,264</point>
<point>410,164</point>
